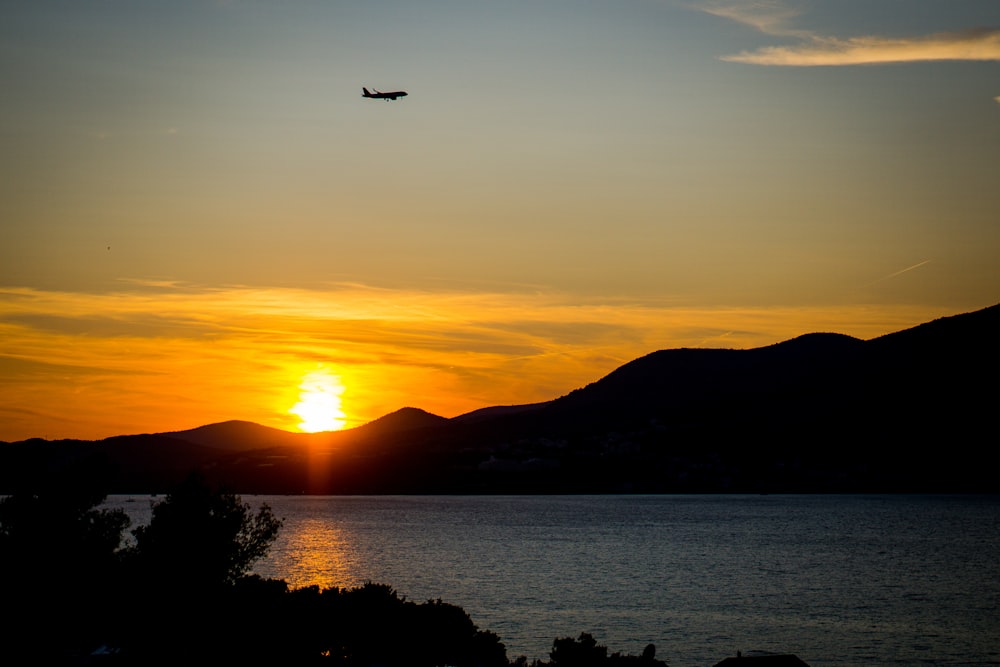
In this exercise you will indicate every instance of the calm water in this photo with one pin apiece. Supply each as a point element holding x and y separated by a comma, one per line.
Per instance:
<point>837,580</point>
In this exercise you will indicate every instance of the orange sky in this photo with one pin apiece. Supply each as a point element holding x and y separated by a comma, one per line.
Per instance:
<point>198,209</point>
<point>156,358</point>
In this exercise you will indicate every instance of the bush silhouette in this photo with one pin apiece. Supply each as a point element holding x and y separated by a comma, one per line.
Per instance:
<point>59,556</point>
<point>181,594</point>
<point>181,572</point>
<point>202,537</point>
<point>582,652</point>
<point>373,625</point>
<point>586,652</point>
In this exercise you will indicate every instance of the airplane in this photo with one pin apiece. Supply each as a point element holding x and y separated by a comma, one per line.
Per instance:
<point>376,95</point>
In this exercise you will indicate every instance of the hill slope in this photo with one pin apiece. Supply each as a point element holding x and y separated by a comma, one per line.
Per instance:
<point>908,411</point>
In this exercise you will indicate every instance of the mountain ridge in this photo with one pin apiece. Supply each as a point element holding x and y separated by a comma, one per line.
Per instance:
<point>818,412</point>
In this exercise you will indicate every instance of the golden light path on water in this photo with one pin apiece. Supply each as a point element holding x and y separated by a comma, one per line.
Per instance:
<point>313,552</point>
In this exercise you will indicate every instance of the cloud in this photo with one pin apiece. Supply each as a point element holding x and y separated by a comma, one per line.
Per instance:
<point>979,45</point>
<point>170,356</point>
<point>774,17</point>
<point>900,272</point>
<point>768,16</point>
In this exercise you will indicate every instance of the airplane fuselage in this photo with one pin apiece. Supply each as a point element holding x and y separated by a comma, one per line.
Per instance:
<point>378,95</point>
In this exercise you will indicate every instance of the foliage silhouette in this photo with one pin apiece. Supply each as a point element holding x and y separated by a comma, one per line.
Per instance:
<point>202,537</point>
<point>582,652</point>
<point>586,652</point>
<point>185,584</point>
<point>58,555</point>
<point>181,594</point>
<point>182,569</point>
<point>373,625</point>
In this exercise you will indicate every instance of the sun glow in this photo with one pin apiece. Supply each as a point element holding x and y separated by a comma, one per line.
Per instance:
<point>319,403</point>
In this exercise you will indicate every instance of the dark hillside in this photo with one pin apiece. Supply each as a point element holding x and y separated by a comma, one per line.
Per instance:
<point>401,421</point>
<point>821,412</point>
<point>235,435</point>
<point>909,411</point>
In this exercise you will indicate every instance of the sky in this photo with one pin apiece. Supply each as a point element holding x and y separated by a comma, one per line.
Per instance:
<point>201,219</point>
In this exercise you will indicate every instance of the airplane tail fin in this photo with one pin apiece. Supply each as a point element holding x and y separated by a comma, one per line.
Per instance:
<point>366,93</point>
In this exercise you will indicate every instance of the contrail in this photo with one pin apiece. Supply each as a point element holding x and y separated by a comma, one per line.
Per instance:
<point>897,273</point>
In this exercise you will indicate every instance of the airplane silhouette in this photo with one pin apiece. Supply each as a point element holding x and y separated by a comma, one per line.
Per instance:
<point>376,95</point>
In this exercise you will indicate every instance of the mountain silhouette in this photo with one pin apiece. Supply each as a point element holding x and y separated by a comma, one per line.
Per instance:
<point>906,412</point>
<point>405,419</point>
<point>235,435</point>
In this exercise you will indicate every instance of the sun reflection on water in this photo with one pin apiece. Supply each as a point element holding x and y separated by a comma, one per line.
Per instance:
<point>312,553</point>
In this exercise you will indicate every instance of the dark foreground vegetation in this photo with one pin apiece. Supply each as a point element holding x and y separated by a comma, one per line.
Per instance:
<point>77,592</point>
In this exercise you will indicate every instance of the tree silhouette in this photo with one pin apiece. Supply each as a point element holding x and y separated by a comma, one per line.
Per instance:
<point>586,652</point>
<point>181,594</point>
<point>59,555</point>
<point>373,625</point>
<point>181,574</point>
<point>582,652</point>
<point>199,536</point>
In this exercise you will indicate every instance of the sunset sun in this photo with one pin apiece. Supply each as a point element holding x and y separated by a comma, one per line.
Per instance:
<point>319,404</point>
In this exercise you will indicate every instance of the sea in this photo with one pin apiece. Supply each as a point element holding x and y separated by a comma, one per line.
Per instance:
<point>838,580</point>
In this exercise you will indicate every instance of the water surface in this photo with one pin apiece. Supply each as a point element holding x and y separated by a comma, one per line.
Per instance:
<point>837,580</point>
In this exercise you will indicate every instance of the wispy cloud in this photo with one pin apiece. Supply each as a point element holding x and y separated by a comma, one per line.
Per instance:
<point>770,17</point>
<point>980,44</point>
<point>170,356</point>
<point>900,272</point>
<point>773,17</point>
